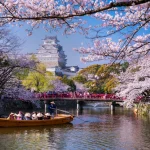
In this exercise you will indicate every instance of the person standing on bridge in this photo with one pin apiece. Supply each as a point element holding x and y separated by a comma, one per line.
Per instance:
<point>52,109</point>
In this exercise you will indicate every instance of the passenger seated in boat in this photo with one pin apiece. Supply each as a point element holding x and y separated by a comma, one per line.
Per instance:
<point>19,117</point>
<point>40,116</point>
<point>47,116</point>
<point>28,116</point>
<point>22,115</point>
<point>34,116</point>
<point>11,116</point>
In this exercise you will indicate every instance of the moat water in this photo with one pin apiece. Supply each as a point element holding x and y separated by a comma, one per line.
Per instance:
<point>94,128</point>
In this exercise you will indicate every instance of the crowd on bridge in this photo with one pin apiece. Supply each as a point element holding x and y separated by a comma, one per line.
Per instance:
<point>52,94</point>
<point>84,95</point>
<point>74,95</point>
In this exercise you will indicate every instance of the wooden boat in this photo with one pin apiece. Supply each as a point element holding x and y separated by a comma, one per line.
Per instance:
<point>59,119</point>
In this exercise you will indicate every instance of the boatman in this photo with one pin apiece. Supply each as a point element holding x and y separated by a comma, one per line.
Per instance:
<point>52,109</point>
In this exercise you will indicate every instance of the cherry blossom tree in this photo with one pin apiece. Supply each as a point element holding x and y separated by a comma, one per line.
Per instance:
<point>58,85</point>
<point>119,29</point>
<point>8,79</point>
<point>38,78</point>
<point>10,86</point>
<point>135,82</point>
<point>8,44</point>
<point>81,87</point>
<point>10,63</point>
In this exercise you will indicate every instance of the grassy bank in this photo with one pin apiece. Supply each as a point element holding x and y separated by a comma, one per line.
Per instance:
<point>142,109</point>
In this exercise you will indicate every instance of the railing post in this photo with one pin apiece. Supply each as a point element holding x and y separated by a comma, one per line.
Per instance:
<point>113,105</point>
<point>46,106</point>
<point>77,104</point>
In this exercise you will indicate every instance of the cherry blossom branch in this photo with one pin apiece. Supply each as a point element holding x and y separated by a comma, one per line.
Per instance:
<point>67,15</point>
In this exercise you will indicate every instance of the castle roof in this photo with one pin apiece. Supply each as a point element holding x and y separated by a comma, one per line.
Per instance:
<point>51,38</point>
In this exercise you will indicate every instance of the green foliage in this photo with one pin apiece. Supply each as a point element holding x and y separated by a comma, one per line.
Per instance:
<point>33,57</point>
<point>22,74</point>
<point>41,67</point>
<point>89,70</point>
<point>105,70</point>
<point>37,81</point>
<point>143,109</point>
<point>103,80</point>
<point>80,79</point>
<point>110,84</point>
<point>69,82</point>
<point>124,66</point>
<point>94,87</point>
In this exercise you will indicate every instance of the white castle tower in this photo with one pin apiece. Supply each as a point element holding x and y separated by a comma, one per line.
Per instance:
<point>51,54</point>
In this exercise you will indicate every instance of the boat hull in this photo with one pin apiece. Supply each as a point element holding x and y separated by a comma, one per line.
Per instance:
<point>59,119</point>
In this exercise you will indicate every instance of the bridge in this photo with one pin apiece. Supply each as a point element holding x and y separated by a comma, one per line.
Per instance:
<point>73,96</point>
<point>81,97</point>
<point>80,101</point>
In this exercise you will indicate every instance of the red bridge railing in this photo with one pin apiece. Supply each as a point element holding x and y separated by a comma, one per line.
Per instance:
<point>79,95</point>
<point>76,95</point>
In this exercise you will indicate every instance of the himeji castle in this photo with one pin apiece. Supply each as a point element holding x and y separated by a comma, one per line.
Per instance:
<point>52,55</point>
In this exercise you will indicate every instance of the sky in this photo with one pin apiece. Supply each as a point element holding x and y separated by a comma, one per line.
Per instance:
<point>68,42</point>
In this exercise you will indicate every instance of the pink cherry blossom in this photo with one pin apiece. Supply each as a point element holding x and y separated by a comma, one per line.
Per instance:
<point>135,80</point>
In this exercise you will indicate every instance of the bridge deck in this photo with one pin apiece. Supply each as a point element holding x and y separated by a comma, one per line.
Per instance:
<point>81,99</point>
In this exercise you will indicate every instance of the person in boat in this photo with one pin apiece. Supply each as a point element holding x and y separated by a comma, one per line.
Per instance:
<point>40,116</point>
<point>11,116</point>
<point>34,116</point>
<point>52,108</point>
<point>20,114</point>
<point>19,117</point>
<point>28,116</point>
<point>47,116</point>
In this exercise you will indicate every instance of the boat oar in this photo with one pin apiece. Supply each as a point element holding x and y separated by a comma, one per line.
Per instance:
<point>64,111</point>
<point>70,113</point>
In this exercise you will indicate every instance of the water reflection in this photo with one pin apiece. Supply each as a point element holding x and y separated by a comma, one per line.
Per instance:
<point>93,129</point>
